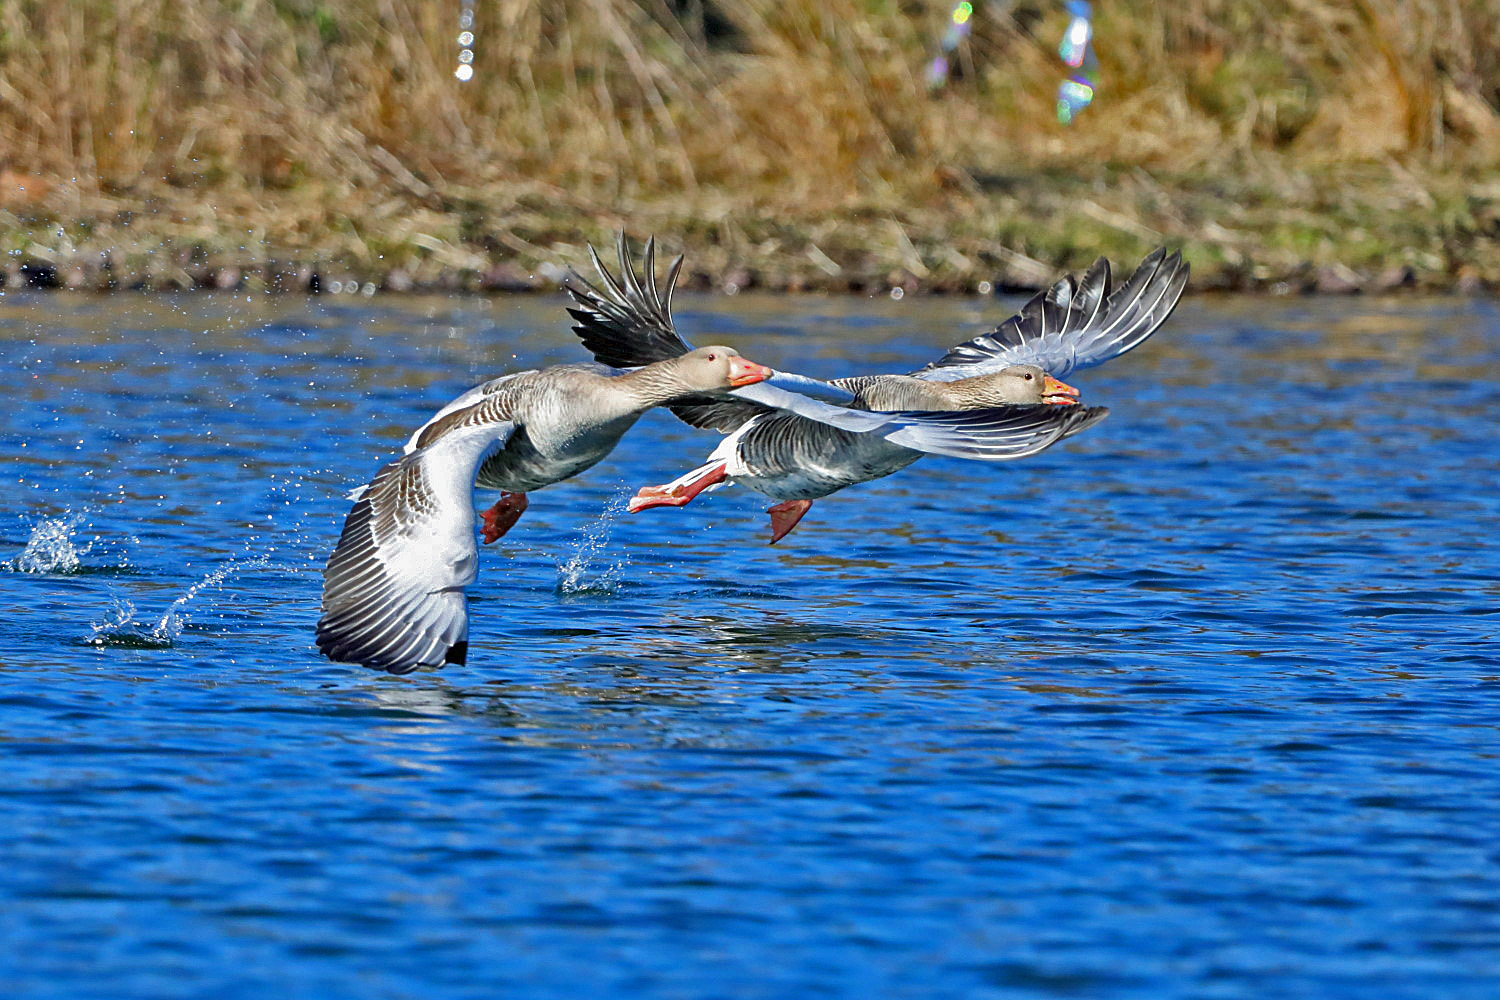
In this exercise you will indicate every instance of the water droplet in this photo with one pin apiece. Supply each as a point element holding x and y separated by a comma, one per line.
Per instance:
<point>587,571</point>
<point>50,548</point>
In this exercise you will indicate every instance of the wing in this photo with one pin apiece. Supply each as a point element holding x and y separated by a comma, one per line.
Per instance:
<point>463,402</point>
<point>789,447</point>
<point>997,434</point>
<point>393,590</point>
<point>627,322</point>
<point>1073,324</point>
<point>989,434</point>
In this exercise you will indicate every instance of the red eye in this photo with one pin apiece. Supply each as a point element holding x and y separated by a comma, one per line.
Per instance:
<point>715,357</point>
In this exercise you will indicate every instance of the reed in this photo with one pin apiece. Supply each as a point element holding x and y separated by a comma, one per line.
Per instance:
<point>796,141</point>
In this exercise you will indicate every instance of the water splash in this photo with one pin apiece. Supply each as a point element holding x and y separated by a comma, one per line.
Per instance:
<point>51,548</point>
<point>125,629</point>
<point>279,525</point>
<point>590,569</point>
<point>283,511</point>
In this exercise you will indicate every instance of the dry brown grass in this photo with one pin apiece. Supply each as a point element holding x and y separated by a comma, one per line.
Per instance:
<point>797,140</point>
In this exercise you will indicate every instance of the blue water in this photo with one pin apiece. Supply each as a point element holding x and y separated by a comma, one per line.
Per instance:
<point>1203,702</point>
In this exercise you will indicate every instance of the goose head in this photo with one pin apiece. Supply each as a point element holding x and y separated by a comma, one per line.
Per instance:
<point>716,368</point>
<point>1015,385</point>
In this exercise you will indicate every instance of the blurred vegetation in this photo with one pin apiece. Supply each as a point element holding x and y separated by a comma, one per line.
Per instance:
<point>783,143</point>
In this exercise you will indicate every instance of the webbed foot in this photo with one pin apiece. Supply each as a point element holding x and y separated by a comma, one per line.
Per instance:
<point>784,517</point>
<point>503,516</point>
<point>679,492</point>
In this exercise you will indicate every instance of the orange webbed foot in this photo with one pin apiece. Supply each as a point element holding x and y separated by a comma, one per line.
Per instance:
<point>503,516</point>
<point>784,517</point>
<point>679,492</point>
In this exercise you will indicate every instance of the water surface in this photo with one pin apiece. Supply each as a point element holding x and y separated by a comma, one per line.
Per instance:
<point>1201,703</point>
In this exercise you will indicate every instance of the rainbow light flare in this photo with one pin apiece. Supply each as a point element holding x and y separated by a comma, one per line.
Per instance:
<point>1077,50</point>
<point>959,25</point>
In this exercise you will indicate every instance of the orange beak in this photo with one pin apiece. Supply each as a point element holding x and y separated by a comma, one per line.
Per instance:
<point>742,372</point>
<point>1058,393</point>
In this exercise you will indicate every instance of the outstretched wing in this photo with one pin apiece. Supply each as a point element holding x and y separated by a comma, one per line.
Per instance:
<point>1073,324</point>
<point>439,421</point>
<point>989,434</point>
<point>784,446</point>
<point>998,434</point>
<point>626,322</point>
<point>393,590</point>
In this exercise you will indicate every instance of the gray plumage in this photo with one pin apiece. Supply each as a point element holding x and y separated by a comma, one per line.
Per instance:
<point>786,457</point>
<point>1074,324</point>
<point>627,321</point>
<point>989,384</point>
<point>393,594</point>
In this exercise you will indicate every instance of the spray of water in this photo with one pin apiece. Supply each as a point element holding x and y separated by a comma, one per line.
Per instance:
<point>126,628</point>
<point>121,629</point>
<point>284,507</point>
<point>591,569</point>
<point>51,547</point>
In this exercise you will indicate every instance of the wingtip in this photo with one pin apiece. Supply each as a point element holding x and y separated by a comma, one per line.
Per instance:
<point>672,274</point>
<point>340,647</point>
<point>599,267</point>
<point>1099,275</point>
<point>1169,263</point>
<point>627,262</point>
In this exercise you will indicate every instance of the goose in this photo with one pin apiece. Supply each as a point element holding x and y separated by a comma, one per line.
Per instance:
<point>1074,324</point>
<point>394,586</point>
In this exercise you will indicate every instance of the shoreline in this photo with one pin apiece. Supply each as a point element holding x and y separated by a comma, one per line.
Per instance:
<point>307,280</point>
<point>310,273</point>
<point>1019,233</point>
<point>312,277</point>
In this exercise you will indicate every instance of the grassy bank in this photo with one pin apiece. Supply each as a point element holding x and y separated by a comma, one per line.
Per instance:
<point>1287,144</point>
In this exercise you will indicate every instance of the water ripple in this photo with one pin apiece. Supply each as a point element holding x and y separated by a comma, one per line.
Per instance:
<point>1202,702</point>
